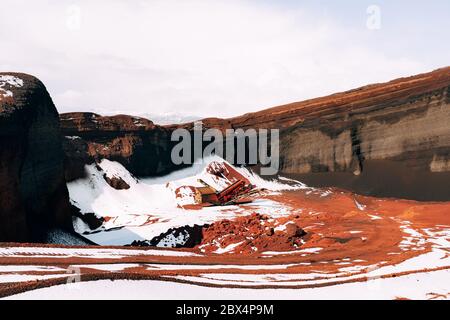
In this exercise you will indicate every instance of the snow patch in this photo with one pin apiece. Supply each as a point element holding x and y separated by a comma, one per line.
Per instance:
<point>9,81</point>
<point>72,137</point>
<point>172,241</point>
<point>44,252</point>
<point>108,267</point>
<point>228,248</point>
<point>11,278</point>
<point>29,268</point>
<point>359,205</point>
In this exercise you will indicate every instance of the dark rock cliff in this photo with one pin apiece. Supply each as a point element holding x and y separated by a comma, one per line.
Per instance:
<point>396,147</point>
<point>141,146</point>
<point>389,139</point>
<point>33,193</point>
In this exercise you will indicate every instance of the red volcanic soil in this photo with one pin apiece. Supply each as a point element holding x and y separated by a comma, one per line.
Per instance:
<point>331,238</point>
<point>343,224</point>
<point>253,233</point>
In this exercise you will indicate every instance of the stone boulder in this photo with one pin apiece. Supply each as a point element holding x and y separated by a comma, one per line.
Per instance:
<point>33,192</point>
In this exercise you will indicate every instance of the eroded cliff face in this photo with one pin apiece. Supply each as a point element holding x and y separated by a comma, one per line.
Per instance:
<point>374,129</point>
<point>390,139</point>
<point>141,146</point>
<point>33,193</point>
<point>399,149</point>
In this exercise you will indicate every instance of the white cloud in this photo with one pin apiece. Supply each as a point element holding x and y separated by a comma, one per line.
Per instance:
<point>209,58</point>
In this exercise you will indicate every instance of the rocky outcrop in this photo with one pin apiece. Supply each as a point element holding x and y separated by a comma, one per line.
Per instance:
<point>33,193</point>
<point>141,146</point>
<point>117,183</point>
<point>246,234</point>
<point>253,234</point>
<point>182,237</point>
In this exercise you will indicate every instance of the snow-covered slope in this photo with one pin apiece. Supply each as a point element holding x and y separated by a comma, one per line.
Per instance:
<point>430,285</point>
<point>150,206</point>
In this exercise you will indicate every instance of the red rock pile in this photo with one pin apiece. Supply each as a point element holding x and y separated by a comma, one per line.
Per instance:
<point>254,233</point>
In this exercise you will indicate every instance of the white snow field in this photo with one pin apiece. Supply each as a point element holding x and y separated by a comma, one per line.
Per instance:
<point>430,285</point>
<point>94,253</point>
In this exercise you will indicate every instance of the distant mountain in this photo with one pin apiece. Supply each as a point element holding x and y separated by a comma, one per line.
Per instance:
<point>163,118</point>
<point>169,118</point>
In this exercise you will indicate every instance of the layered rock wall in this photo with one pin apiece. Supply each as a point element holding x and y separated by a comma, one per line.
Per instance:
<point>141,146</point>
<point>389,139</point>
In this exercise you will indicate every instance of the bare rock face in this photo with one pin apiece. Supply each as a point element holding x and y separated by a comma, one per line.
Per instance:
<point>141,146</point>
<point>182,237</point>
<point>33,193</point>
<point>389,139</point>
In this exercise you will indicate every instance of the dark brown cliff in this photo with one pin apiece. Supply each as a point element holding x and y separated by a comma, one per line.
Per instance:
<point>33,193</point>
<point>389,139</point>
<point>141,146</point>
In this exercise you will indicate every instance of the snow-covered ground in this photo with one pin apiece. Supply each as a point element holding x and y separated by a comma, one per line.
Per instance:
<point>347,269</point>
<point>430,285</point>
<point>150,206</point>
<point>59,236</point>
<point>94,253</point>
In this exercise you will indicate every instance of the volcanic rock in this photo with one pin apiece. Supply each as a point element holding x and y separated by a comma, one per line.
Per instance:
<point>293,230</point>
<point>254,233</point>
<point>117,183</point>
<point>182,237</point>
<point>389,139</point>
<point>90,219</point>
<point>141,146</point>
<point>33,193</point>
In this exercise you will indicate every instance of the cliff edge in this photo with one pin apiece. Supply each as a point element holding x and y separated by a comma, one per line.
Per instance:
<point>33,192</point>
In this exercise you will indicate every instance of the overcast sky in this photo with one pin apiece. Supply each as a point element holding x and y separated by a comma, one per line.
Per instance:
<point>216,58</point>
